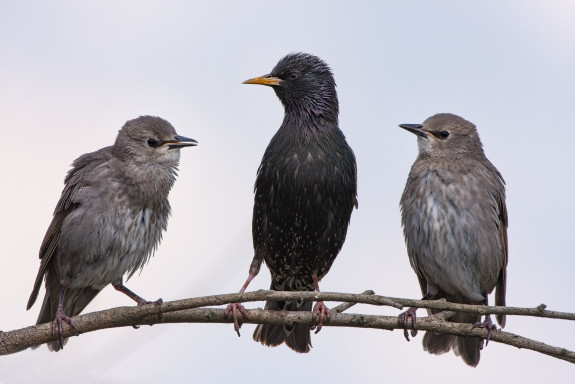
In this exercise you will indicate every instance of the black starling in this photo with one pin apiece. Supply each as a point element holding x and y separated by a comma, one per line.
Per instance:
<point>109,219</point>
<point>305,191</point>
<point>455,224</point>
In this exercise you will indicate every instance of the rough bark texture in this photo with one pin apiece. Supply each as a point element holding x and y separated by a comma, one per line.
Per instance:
<point>193,311</point>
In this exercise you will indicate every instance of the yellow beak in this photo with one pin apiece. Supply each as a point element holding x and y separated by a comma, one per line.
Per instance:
<point>264,80</point>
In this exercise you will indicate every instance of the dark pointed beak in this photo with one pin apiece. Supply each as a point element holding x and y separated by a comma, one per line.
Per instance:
<point>180,142</point>
<point>416,129</point>
<point>264,80</point>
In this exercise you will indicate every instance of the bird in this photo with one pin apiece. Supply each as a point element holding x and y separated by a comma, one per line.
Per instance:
<point>454,220</point>
<point>304,194</point>
<point>109,220</point>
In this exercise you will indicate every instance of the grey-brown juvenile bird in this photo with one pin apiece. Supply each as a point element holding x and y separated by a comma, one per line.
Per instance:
<point>109,219</point>
<point>305,191</point>
<point>455,225</point>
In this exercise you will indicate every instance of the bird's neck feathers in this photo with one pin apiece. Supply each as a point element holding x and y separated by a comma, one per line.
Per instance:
<point>154,180</point>
<point>295,129</point>
<point>158,176</point>
<point>305,123</point>
<point>460,161</point>
<point>311,108</point>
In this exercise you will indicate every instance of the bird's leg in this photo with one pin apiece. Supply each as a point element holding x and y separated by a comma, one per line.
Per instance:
<point>61,316</point>
<point>486,324</point>
<point>404,317</point>
<point>235,307</point>
<point>319,309</point>
<point>119,286</point>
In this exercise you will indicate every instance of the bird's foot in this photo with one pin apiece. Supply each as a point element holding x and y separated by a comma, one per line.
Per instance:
<point>57,325</point>
<point>234,308</point>
<point>321,312</point>
<point>486,324</point>
<point>403,320</point>
<point>140,301</point>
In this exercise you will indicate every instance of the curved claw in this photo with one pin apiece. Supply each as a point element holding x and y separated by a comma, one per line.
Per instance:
<point>57,324</point>
<point>403,320</point>
<point>141,302</point>
<point>234,308</point>
<point>488,324</point>
<point>144,302</point>
<point>322,312</point>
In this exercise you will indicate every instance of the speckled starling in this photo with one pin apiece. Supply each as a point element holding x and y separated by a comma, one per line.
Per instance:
<point>455,225</point>
<point>305,191</point>
<point>109,219</point>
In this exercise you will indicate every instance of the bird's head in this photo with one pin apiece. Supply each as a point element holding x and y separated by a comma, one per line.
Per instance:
<point>446,135</point>
<point>304,84</point>
<point>150,140</point>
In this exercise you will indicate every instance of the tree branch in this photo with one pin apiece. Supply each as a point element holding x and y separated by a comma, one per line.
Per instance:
<point>192,311</point>
<point>435,323</point>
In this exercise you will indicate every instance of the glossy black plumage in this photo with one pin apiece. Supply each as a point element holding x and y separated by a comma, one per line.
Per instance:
<point>305,191</point>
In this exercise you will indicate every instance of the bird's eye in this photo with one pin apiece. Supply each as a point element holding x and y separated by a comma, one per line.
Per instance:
<point>153,143</point>
<point>293,76</point>
<point>444,134</point>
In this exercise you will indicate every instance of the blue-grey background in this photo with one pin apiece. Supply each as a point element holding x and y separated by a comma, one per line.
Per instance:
<point>72,72</point>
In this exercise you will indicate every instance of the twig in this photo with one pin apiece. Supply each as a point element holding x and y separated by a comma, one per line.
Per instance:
<point>188,310</point>
<point>435,323</point>
<point>345,306</point>
<point>399,303</point>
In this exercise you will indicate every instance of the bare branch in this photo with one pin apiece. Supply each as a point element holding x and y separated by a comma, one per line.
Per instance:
<point>430,323</point>
<point>192,311</point>
<point>371,299</point>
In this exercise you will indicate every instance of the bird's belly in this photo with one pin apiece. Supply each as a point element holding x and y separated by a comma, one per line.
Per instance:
<point>303,249</point>
<point>445,248</point>
<point>118,243</point>
<point>302,209</point>
<point>294,274</point>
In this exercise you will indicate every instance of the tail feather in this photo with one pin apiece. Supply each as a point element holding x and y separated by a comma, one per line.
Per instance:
<point>47,314</point>
<point>468,348</point>
<point>500,296</point>
<point>438,343</point>
<point>297,337</point>
<point>82,300</point>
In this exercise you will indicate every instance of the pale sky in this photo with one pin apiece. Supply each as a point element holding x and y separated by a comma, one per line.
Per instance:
<point>71,74</point>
